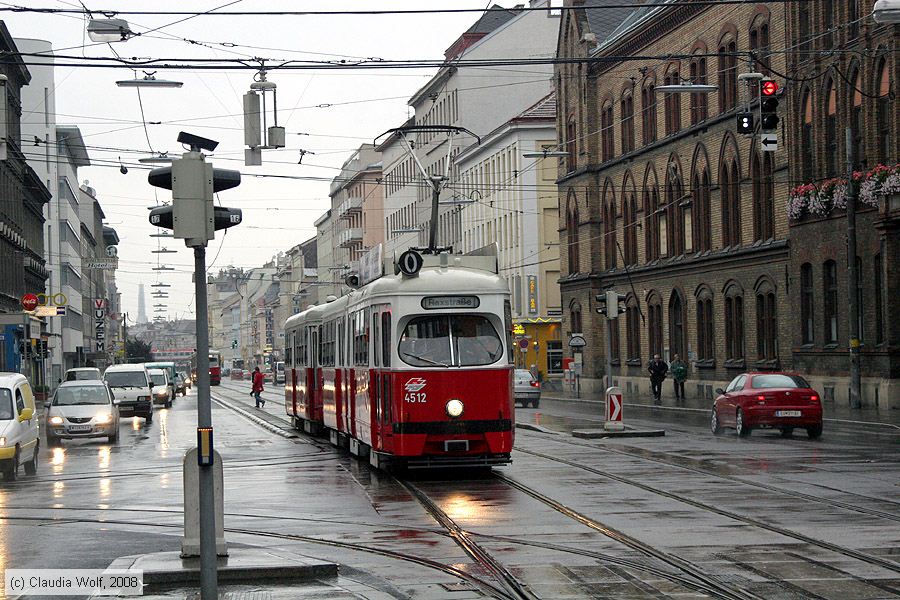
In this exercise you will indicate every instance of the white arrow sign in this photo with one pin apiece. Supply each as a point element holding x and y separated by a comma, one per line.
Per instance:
<point>615,408</point>
<point>768,141</point>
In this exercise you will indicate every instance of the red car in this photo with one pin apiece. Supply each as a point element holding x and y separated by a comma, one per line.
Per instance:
<point>767,401</point>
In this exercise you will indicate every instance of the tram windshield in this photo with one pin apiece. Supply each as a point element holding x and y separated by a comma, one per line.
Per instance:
<point>450,341</point>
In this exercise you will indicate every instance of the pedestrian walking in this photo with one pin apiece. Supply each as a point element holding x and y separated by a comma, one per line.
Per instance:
<point>658,369</point>
<point>679,374</point>
<point>258,388</point>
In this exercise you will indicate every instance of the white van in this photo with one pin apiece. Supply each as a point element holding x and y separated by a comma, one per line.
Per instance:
<point>18,426</point>
<point>162,391</point>
<point>130,384</point>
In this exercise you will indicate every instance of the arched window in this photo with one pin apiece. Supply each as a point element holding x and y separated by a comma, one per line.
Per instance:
<point>826,40</point>
<point>830,288</point>
<point>651,217</point>
<point>759,42</point>
<point>700,204</point>
<point>648,111</point>
<point>607,146</point>
<point>609,226</point>
<point>572,234</point>
<point>672,101</point>
<point>852,19</point>
<point>857,125</point>
<point>699,106</point>
<point>571,149</point>
<point>831,130</point>
<point>734,323</point>
<point>575,316</point>
<point>763,196</point>
<point>807,304</point>
<point>654,324</point>
<point>728,88</point>
<point>807,141</point>
<point>629,217</point>
<point>678,216</point>
<point>627,110</point>
<point>731,204</point>
<point>884,105</point>
<point>803,27</point>
<point>677,339</point>
<point>706,337</point>
<point>766,322</point>
<point>633,329</point>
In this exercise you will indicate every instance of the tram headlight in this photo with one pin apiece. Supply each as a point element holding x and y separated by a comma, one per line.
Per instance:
<point>454,408</point>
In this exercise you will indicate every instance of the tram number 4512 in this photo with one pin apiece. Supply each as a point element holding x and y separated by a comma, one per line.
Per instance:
<point>413,397</point>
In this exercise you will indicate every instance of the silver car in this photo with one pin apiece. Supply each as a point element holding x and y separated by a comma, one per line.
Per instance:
<point>82,409</point>
<point>526,389</point>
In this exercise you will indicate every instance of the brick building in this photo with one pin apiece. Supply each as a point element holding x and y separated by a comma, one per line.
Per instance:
<point>662,201</point>
<point>831,92</point>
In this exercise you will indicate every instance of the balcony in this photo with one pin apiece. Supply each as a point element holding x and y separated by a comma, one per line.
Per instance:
<point>349,207</point>
<point>350,237</point>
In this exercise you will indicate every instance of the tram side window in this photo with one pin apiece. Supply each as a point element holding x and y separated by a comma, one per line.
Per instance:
<point>386,338</point>
<point>288,355</point>
<point>508,326</point>
<point>376,337</point>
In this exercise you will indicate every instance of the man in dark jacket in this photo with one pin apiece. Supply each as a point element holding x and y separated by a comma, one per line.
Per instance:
<point>658,369</point>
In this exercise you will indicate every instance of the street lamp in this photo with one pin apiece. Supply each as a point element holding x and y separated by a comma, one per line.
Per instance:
<point>109,30</point>
<point>150,81</point>
<point>886,12</point>
<point>687,87</point>
<point>546,154</point>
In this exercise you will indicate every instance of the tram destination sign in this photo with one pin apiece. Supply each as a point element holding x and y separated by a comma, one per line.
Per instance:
<point>438,302</point>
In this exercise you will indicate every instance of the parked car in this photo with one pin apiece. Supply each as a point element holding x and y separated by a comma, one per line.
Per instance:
<point>181,383</point>
<point>162,390</point>
<point>130,383</point>
<point>83,374</point>
<point>782,401</point>
<point>526,389</point>
<point>19,443</point>
<point>82,409</point>
<point>237,374</point>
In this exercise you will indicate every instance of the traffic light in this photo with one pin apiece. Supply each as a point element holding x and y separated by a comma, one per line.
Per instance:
<point>233,344</point>
<point>192,216</point>
<point>745,123</point>
<point>768,105</point>
<point>601,303</point>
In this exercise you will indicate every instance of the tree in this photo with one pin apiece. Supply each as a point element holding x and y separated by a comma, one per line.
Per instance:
<point>137,351</point>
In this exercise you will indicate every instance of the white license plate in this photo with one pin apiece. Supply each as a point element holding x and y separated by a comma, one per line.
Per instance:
<point>77,428</point>
<point>787,413</point>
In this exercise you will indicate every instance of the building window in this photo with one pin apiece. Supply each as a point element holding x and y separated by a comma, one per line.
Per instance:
<point>609,231</point>
<point>654,325</point>
<point>572,234</point>
<point>766,323</point>
<point>676,325</point>
<point>651,223</point>
<point>763,197</point>
<point>879,307</point>
<point>633,329</point>
<point>706,344</point>
<point>884,106</point>
<point>702,228</point>
<point>807,304</point>
<point>731,205</point>
<point>826,38</point>
<point>852,20</point>
<point>728,88</point>
<point>831,130</point>
<point>672,102</point>
<point>699,105</point>
<point>571,156</point>
<point>857,125</point>
<point>676,219</point>
<point>807,142</point>
<point>629,215</point>
<point>554,357</point>
<point>829,280</point>
<point>803,15</point>
<point>575,316</point>
<point>734,324</point>
<point>627,106</point>
<point>648,112</point>
<point>759,43</point>
<point>607,149</point>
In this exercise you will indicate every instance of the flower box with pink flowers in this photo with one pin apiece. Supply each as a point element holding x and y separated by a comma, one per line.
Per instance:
<point>822,198</point>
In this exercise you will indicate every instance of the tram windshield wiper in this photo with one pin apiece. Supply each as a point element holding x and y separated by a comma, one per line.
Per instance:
<point>423,359</point>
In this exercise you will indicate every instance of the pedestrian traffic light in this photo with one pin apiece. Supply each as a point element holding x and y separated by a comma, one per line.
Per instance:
<point>233,344</point>
<point>768,105</point>
<point>601,303</point>
<point>745,123</point>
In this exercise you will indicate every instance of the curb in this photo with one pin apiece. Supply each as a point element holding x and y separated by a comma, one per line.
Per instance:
<point>593,434</point>
<point>539,428</point>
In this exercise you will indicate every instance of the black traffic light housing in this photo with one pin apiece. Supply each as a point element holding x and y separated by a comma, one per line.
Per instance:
<point>223,217</point>
<point>601,303</point>
<point>745,123</point>
<point>768,105</point>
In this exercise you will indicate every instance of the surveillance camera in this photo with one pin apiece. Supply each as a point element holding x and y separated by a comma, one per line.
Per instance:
<point>196,142</point>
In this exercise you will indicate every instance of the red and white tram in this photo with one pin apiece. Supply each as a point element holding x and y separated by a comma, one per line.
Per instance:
<point>410,369</point>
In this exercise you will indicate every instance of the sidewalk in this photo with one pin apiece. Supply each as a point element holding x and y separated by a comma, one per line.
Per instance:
<point>884,417</point>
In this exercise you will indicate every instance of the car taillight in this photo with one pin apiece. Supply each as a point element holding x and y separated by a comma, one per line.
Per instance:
<point>761,398</point>
<point>535,384</point>
<point>813,398</point>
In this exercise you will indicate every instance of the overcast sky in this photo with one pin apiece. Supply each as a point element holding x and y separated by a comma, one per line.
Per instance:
<point>329,113</point>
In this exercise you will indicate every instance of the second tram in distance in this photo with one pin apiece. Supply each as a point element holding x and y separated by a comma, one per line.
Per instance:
<point>412,369</point>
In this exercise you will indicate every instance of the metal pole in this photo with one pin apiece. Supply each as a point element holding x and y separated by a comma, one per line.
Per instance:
<point>609,326</point>
<point>852,275</point>
<point>208,575</point>
<point>432,229</point>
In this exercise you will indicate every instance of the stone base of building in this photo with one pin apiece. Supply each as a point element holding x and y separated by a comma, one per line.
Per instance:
<point>876,392</point>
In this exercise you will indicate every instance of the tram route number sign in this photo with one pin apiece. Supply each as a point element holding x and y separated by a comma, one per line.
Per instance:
<point>410,262</point>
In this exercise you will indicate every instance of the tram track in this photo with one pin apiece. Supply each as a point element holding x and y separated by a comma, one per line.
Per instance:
<point>836,548</point>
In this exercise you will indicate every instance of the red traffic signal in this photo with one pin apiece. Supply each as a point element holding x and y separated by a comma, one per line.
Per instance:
<point>769,87</point>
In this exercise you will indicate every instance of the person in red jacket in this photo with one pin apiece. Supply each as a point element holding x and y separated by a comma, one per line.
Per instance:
<point>258,388</point>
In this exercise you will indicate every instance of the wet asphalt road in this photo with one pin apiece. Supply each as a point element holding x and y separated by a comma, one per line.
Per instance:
<point>689,515</point>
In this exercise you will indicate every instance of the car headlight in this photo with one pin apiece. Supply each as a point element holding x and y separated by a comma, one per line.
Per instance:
<point>103,418</point>
<point>162,393</point>
<point>454,407</point>
<point>56,420</point>
<point>143,398</point>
